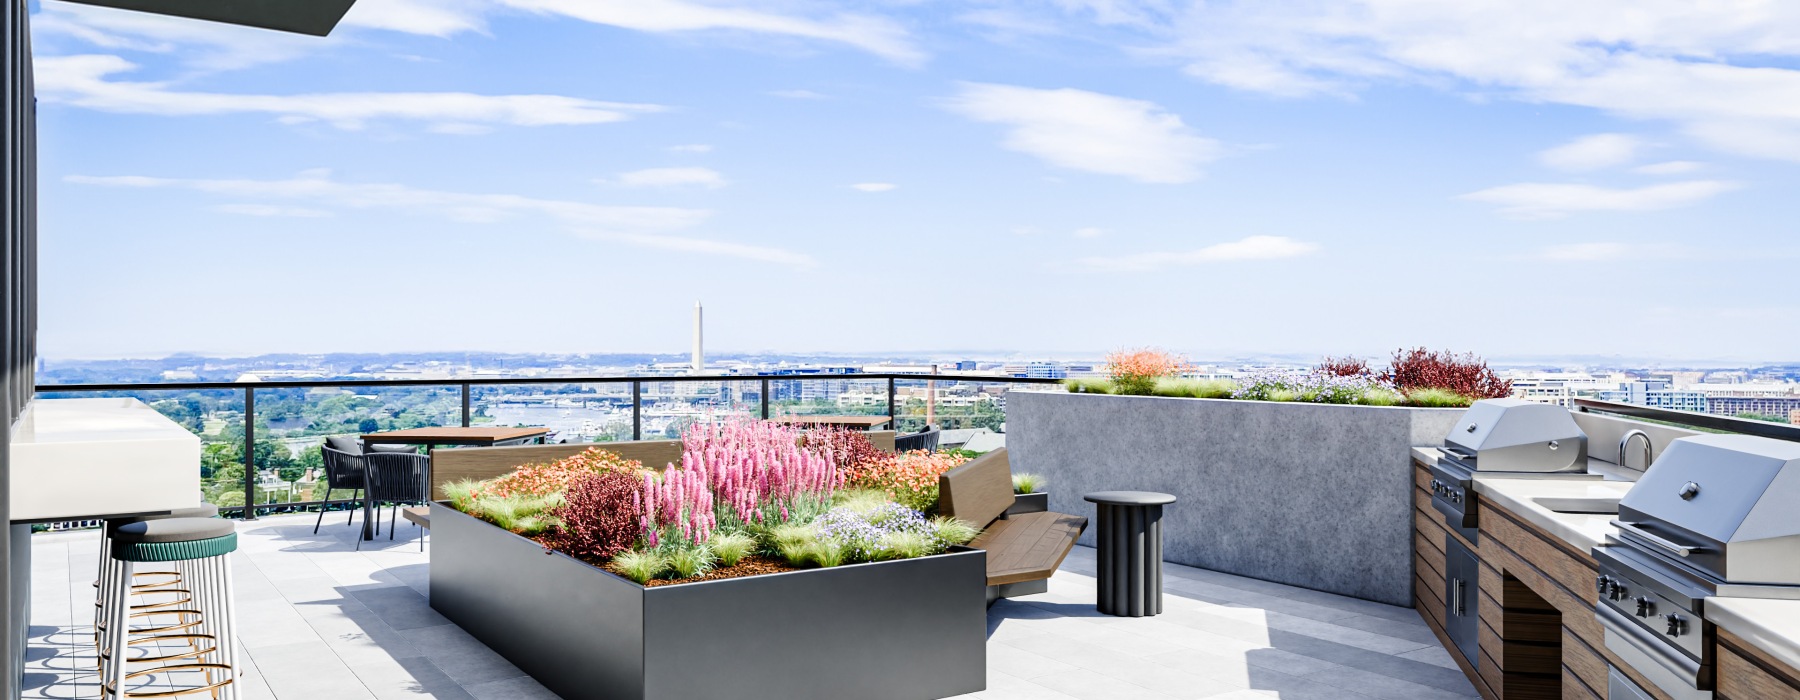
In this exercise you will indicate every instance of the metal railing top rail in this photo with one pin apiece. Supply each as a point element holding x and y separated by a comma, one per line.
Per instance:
<point>1708,421</point>
<point>515,381</point>
<point>467,385</point>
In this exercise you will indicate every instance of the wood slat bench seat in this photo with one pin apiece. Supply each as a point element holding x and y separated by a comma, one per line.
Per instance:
<point>1028,546</point>
<point>1021,547</point>
<point>419,515</point>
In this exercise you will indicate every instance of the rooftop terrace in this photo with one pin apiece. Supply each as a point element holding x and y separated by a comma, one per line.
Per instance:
<point>321,620</point>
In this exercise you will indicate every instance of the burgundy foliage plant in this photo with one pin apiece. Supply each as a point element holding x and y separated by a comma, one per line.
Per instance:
<point>847,448</point>
<point>1465,374</point>
<point>602,515</point>
<point>1346,366</point>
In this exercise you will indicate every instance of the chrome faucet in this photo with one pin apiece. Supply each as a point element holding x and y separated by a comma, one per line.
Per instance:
<point>1625,443</point>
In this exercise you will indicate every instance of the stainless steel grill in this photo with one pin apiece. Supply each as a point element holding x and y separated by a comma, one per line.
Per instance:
<point>1714,515</point>
<point>1503,437</point>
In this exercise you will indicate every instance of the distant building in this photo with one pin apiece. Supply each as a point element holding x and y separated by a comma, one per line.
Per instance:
<point>1550,391</point>
<point>1764,405</point>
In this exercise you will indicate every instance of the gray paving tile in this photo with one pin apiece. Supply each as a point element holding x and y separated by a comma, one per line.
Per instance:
<point>308,670</point>
<point>521,688</point>
<point>465,659</point>
<point>319,619</point>
<point>409,679</point>
<point>400,606</point>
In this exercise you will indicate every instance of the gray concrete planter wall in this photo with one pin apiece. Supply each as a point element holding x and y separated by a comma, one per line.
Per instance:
<point>1311,495</point>
<point>915,628</point>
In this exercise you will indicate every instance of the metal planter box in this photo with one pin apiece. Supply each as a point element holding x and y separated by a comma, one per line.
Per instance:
<point>909,629</point>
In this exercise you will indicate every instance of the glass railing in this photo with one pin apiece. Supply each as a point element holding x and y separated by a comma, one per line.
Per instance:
<point>281,425</point>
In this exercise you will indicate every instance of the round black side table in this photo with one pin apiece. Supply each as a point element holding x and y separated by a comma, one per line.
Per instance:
<point>1128,543</point>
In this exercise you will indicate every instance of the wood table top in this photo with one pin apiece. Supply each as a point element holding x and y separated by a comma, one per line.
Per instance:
<point>847,421</point>
<point>453,436</point>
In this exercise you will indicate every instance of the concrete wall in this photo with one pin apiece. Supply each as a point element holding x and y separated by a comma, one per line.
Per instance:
<point>1310,495</point>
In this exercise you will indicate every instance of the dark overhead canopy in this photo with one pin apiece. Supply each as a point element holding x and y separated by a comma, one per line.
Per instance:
<point>315,17</point>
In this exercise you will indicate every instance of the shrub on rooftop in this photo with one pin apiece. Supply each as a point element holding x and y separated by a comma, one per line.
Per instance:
<point>1463,374</point>
<point>1135,372</point>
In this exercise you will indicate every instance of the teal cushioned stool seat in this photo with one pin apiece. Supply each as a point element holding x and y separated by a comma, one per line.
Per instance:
<point>189,637</point>
<point>173,539</point>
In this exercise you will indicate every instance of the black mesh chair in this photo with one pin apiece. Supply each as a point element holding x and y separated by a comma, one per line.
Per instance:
<point>343,471</point>
<point>926,440</point>
<point>396,479</point>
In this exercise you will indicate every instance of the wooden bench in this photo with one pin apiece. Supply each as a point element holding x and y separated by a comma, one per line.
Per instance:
<point>1023,548</point>
<point>417,515</point>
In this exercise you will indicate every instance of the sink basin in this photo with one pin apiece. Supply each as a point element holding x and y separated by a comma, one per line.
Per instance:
<point>1581,506</point>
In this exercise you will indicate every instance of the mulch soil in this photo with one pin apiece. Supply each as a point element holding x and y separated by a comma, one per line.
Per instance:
<point>748,566</point>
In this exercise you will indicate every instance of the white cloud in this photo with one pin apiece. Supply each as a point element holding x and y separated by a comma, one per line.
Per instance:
<point>870,33</point>
<point>1090,232</point>
<point>709,247</point>
<point>672,177</point>
<point>1541,200</point>
<point>1723,73</point>
<point>429,17</point>
<point>798,94</point>
<point>1251,248</point>
<point>271,210</point>
<point>1593,152</point>
<point>82,81</point>
<point>1673,167</point>
<point>1610,251</point>
<point>691,148</point>
<point>643,227</point>
<point>1090,131</point>
<point>204,46</point>
<point>874,186</point>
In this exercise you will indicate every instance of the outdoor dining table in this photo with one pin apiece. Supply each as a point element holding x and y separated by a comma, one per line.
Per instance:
<point>857,422</point>
<point>454,436</point>
<point>432,438</point>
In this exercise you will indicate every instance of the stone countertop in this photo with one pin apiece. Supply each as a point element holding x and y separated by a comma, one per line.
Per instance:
<point>1519,494</point>
<point>1770,625</point>
<point>1767,624</point>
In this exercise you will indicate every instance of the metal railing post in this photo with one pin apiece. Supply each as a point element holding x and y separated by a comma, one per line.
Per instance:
<point>249,453</point>
<point>465,398</point>
<point>765,399</point>
<point>893,423</point>
<point>637,410</point>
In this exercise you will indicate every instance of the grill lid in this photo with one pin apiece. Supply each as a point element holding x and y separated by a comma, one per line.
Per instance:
<point>1737,495</point>
<point>1519,435</point>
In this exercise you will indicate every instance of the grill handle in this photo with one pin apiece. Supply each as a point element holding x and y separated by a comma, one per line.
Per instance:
<point>1641,535</point>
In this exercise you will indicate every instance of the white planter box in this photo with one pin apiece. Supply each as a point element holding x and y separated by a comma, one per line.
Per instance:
<point>75,459</point>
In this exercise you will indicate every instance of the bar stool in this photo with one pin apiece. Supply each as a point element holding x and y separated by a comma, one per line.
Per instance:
<point>202,605</point>
<point>170,581</point>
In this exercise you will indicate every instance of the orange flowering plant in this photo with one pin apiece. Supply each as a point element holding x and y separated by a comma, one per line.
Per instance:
<point>1136,371</point>
<point>556,477</point>
<point>910,478</point>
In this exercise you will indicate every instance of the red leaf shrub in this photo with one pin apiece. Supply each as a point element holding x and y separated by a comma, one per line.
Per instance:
<point>1347,366</point>
<point>848,448</point>
<point>1465,374</point>
<point>602,515</point>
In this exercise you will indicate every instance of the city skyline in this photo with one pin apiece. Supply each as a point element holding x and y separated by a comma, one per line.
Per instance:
<point>1220,179</point>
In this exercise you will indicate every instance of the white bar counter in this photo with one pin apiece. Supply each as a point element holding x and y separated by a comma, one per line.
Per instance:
<point>79,459</point>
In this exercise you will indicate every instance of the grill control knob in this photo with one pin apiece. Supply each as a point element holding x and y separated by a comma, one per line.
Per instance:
<point>1601,583</point>
<point>1677,624</point>
<point>1615,591</point>
<point>1646,606</point>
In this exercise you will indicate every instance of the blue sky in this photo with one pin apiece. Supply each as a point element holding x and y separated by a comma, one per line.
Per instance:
<point>1053,177</point>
